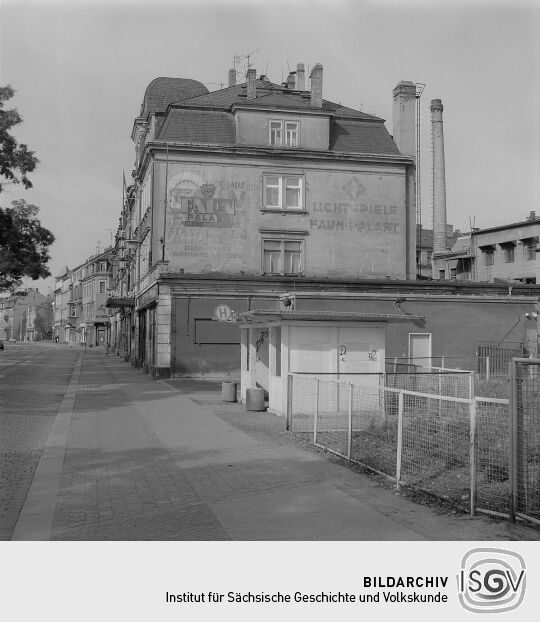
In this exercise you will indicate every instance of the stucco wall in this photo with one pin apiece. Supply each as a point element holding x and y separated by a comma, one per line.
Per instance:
<point>354,220</point>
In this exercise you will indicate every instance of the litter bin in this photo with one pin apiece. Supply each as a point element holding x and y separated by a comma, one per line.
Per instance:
<point>255,399</point>
<point>228,391</point>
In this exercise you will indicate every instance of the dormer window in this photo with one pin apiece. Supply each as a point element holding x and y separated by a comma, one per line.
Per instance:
<point>283,133</point>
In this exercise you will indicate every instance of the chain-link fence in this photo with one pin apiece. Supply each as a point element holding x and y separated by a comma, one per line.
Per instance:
<point>492,455</point>
<point>525,439</point>
<point>435,451</point>
<point>441,439</point>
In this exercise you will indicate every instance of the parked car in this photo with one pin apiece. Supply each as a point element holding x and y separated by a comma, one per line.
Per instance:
<point>1,345</point>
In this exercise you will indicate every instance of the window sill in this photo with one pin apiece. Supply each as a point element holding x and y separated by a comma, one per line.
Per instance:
<point>280,210</point>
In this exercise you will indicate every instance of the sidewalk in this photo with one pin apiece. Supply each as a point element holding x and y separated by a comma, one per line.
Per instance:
<point>130,458</point>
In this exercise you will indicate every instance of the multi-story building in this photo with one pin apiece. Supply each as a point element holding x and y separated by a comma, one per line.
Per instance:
<point>18,313</point>
<point>507,253</point>
<point>80,315</point>
<point>267,196</point>
<point>264,182</point>
<point>424,249</point>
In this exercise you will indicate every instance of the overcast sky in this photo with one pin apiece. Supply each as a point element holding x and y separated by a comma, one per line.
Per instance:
<point>80,69</point>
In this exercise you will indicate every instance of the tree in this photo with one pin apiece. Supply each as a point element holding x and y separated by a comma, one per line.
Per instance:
<point>24,244</point>
<point>16,160</point>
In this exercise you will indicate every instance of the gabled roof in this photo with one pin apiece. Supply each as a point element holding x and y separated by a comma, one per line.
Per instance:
<point>164,91</point>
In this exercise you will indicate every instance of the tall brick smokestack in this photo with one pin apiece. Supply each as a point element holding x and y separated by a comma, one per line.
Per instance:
<point>439,181</point>
<point>404,117</point>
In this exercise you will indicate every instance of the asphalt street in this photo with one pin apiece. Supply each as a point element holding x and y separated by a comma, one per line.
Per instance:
<point>33,381</point>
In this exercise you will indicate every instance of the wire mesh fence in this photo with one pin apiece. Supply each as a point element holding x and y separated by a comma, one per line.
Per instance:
<point>525,439</point>
<point>492,455</point>
<point>435,454</point>
<point>441,439</point>
<point>374,427</point>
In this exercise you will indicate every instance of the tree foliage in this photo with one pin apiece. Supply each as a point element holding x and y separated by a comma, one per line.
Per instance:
<point>24,244</point>
<point>16,160</point>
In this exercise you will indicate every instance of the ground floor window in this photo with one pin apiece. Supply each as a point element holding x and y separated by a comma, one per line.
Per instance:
<point>282,256</point>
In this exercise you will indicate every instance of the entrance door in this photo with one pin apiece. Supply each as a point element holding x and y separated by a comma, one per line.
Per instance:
<point>101,335</point>
<point>420,349</point>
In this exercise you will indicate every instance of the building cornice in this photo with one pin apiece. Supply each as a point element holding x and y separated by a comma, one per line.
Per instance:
<point>154,147</point>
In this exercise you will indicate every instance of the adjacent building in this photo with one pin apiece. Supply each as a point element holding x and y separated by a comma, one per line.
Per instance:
<point>18,313</point>
<point>80,314</point>
<point>504,253</point>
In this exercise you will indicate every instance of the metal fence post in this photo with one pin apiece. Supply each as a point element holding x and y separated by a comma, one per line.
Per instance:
<point>487,367</point>
<point>349,439</point>
<point>472,453</point>
<point>399,439</point>
<point>316,413</point>
<point>288,420</point>
<point>512,457</point>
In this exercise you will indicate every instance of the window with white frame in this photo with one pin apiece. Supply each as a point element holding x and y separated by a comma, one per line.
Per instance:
<point>283,133</point>
<point>283,192</point>
<point>103,266</point>
<point>73,312</point>
<point>282,255</point>
<point>102,286</point>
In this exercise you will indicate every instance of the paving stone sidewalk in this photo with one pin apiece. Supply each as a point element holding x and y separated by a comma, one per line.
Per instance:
<point>148,460</point>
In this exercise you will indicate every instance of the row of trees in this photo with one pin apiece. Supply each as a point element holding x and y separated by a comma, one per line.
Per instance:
<point>24,242</point>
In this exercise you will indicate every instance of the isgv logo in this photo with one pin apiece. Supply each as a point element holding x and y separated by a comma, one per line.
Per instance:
<point>491,580</point>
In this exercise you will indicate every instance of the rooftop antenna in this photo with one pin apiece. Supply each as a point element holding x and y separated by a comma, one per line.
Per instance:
<point>239,57</point>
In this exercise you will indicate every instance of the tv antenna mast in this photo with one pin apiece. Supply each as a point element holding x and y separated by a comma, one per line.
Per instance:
<point>237,58</point>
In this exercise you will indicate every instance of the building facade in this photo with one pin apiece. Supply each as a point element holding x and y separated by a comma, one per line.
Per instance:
<point>505,253</point>
<point>269,197</point>
<point>257,184</point>
<point>18,313</point>
<point>80,313</point>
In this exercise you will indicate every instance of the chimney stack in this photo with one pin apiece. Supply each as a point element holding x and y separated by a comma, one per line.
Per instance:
<point>300,77</point>
<point>316,76</point>
<point>251,83</point>
<point>404,118</point>
<point>232,77</point>
<point>439,181</point>
<point>291,80</point>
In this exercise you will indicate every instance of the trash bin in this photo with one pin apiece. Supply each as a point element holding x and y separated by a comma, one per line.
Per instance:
<point>255,399</point>
<point>228,391</point>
